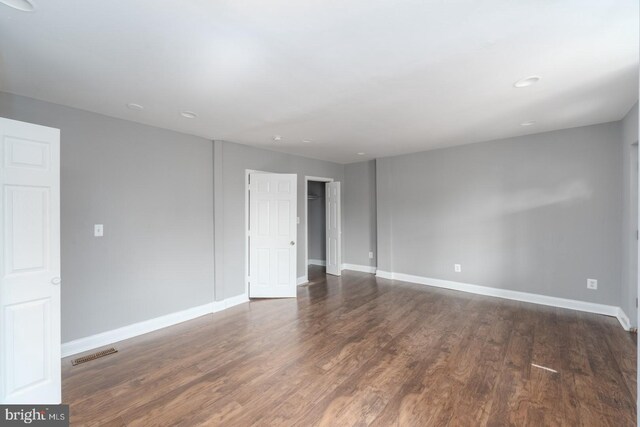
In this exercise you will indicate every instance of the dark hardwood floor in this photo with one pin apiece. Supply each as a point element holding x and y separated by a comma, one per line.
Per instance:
<point>357,350</point>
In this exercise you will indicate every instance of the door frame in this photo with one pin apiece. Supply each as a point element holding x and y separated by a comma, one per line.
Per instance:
<point>306,221</point>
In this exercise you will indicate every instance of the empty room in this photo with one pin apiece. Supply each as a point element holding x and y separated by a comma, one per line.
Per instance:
<point>336,213</point>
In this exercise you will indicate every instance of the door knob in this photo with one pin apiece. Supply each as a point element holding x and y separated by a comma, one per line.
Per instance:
<point>56,281</point>
<point>292,243</point>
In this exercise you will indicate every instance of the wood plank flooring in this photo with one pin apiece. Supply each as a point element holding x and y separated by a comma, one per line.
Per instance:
<point>358,350</point>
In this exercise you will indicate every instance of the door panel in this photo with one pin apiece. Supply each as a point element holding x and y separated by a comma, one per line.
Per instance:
<point>26,237</point>
<point>334,229</point>
<point>272,235</point>
<point>21,152</point>
<point>29,263</point>
<point>28,324</point>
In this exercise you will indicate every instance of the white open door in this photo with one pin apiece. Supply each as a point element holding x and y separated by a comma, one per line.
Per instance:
<point>272,235</point>
<point>334,228</point>
<point>29,263</point>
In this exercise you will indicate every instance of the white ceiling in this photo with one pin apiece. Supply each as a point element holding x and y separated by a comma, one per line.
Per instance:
<point>380,77</point>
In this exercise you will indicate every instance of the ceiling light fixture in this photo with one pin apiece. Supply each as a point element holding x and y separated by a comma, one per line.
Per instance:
<point>306,141</point>
<point>529,123</point>
<point>188,114</point>
<point>527,81</point>
<point>277,138</point>
<point>22,5</point>
<point>134,106</point>
<point>361,154</point>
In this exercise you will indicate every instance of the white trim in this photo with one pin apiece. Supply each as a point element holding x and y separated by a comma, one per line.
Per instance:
<point>232,302</point>
<point>623,319</point>
<point>317,262</point>
<point>306,213</point>
<point>362,268</point>
<point>302,280</point>
<point>589,307</point>
<point>109,337</point>
<point>384,274</point>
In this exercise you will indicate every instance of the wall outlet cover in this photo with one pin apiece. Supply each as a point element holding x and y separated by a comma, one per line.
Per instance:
<point>457,268</point>
<point>98,230</point>
<point>592,284</point>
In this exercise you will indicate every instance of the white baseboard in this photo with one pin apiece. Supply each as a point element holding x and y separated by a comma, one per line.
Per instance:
<point>230,302</point>
<point>302,280</point>
<point>109,337</point>
<point>623,319</point>
<point>589,307</point>
<point>361,268</point>
<point>354,267</point>
<point>384,274</point>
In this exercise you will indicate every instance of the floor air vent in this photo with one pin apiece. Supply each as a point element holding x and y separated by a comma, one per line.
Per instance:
<point>93,356</point>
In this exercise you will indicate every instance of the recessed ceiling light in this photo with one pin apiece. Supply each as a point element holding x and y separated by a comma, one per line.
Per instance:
<point>23,5</point>
<point>527,81</point>
<point>134,106</point>
<point>277,138</point>
<point>306,141</point>
<point>188,114</point>
<point>529,123</point>
<point>361,154</point>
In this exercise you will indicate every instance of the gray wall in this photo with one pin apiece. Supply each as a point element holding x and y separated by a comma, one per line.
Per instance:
<point>230,162</point>
<point>153,191</point>
<point>629,291</point>
<point>317,226</point>
<point>538,213</point>
<point>512,212</point>
<point>360,213</point>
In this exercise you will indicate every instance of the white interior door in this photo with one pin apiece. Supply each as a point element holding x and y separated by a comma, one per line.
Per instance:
<point>29,263</point>
<point>272,235</point>
<point>334,228</point>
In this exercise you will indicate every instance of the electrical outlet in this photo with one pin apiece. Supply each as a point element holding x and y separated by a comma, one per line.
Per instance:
<point>592,284</point>
<point>457,268</point>
<point>98,230</point>
<point>370,255</point>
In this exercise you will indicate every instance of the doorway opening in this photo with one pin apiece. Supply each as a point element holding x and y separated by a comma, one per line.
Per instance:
<point>322,228</point>
<point>316,230</point>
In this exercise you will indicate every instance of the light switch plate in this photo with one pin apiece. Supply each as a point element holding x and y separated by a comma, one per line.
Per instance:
<point>98,230</point>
